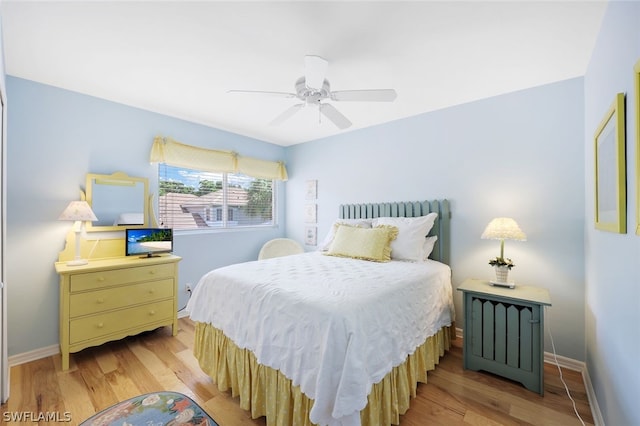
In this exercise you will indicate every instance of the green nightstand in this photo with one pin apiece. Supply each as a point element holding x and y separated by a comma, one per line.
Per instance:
<point>504,330</point>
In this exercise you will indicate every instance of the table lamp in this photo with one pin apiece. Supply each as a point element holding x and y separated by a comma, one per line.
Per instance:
<point>79,212</point>
<point>503,228</point>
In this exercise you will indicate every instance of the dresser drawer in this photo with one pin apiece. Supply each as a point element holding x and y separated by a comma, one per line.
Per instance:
<point>103,300</point>
<point>99,325</point>
<point>100,279</point>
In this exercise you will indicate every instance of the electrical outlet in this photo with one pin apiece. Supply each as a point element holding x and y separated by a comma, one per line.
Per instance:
<point>187,288</point>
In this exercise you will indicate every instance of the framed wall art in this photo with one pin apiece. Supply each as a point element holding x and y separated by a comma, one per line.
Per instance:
<point>311,190</point>
<point>311,236</point>
<point>610,170</point>
<point>636,81</point>
<point>311,213</point>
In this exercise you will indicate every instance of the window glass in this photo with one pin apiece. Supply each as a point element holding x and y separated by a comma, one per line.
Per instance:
<point>193,199</point>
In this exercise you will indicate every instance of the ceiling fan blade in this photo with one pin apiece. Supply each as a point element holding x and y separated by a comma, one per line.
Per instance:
<point>262,92</point>
<point>335,116</point>
<point>286,114</point>
<point>315,69</point>
<point>372,95</point>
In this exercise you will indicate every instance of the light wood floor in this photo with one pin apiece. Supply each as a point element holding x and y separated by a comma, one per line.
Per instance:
<point>102,376</point>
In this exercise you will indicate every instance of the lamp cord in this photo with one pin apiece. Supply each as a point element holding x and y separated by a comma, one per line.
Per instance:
<point>555,357</point>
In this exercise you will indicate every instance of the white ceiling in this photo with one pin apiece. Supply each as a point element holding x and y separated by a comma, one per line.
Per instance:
<point>180,58</point>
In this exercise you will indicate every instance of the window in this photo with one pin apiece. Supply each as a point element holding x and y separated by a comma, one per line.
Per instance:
<point>194,199</point>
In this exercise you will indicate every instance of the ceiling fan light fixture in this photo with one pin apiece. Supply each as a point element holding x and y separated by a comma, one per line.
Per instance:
<point>303,91</point>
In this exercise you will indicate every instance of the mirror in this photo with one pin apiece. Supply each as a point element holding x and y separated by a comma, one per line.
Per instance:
<point>119,201</point>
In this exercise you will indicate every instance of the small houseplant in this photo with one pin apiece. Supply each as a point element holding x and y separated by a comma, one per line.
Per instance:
<point>503,228</point>
<point>502,266</point>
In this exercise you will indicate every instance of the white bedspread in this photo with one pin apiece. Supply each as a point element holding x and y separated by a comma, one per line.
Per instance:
<point>334,326</point>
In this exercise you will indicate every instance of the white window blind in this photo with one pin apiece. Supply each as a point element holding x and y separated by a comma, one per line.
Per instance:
<point>208,189</point>
<point>197,199</point>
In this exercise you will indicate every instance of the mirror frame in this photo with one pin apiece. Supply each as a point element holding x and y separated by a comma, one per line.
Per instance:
<point>117,178</point>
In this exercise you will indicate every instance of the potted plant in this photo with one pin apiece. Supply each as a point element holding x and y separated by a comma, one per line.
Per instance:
<point>502,266</point>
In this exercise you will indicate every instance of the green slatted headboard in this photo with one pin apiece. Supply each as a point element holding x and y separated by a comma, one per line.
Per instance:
<point>441,228</point>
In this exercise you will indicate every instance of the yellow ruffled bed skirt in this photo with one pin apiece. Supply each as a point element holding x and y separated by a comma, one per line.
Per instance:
<point>267,392</point>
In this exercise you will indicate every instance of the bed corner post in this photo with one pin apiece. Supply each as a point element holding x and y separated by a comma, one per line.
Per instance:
<point>445,231</point>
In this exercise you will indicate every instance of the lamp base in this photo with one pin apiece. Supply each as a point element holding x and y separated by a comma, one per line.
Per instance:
<point>502,284</point>
<point>77,262</point>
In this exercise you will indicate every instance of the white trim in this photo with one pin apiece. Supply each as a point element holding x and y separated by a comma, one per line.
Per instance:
<point>593,401</point>
<point>4,323</point>
<point>34,355</point>
<point>581,367</point>
<point>48,351</point>
<point>564,362</point>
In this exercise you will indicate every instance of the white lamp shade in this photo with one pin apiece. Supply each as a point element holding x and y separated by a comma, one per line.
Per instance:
<point>503,228</point>
<point>78,210</point>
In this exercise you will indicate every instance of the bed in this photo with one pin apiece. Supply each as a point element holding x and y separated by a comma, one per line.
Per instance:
<point>326,337</point>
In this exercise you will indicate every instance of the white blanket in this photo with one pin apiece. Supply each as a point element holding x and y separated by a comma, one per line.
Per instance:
<point>334,326</point>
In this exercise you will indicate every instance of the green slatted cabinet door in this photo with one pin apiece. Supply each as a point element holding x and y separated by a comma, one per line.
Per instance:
<point>513,340</point>
<point>487,330</point>
<point>500,317</point>
<point>504,331</point>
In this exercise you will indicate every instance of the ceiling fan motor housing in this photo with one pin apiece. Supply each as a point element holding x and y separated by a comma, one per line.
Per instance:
<point>311,95</point>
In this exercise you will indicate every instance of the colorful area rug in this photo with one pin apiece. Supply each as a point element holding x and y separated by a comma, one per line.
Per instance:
<point>159,408</point>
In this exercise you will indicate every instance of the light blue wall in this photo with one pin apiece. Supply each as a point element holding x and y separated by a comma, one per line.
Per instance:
<point>613,260</point>
<point>526,154</point>
<point>55,137</point>
<point>517,155</point>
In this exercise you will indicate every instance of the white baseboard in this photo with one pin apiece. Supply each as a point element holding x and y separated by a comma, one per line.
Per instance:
<point>598,420</point>
<point>34,355</point>
<point>47,351</point>
<point>564,362</point>
<point>581,367</point>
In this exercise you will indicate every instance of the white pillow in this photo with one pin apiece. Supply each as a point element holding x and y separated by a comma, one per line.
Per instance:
<point>409,245</point>
<point>328,239</point>
<point>427,248</point>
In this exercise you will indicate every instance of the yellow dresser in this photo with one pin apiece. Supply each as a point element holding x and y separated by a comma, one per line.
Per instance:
<point>108,299</point>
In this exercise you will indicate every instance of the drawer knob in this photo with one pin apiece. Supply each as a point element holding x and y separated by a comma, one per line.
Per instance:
<point>100,300</point>
<point>100,325</point>
<point>152,312</point>
<point>101,278</point>
<point>152,271</point>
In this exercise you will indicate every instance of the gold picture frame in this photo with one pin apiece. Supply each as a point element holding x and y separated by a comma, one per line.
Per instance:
<point>636,79</point>
<point>610,170</point>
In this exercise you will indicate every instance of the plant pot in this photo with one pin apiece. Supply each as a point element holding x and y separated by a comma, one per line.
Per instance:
<point>502,273</point>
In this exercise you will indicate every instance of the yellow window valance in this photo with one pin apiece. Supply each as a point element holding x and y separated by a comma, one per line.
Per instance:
<point>166,150</point>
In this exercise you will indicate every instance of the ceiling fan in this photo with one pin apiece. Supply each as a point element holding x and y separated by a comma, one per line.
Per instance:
<point>312,89</point>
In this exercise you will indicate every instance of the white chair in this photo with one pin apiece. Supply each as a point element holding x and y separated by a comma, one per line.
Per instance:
<point>279,247</point>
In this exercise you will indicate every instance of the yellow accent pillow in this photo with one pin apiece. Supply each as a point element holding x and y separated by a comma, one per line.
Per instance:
<point>363,243</point>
